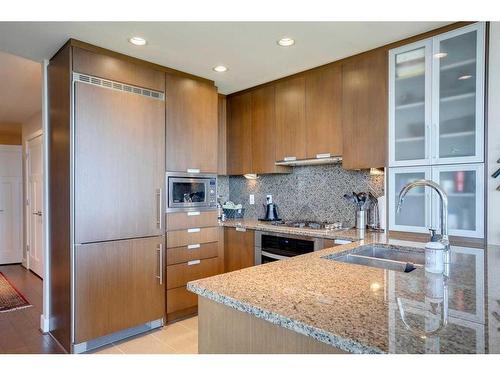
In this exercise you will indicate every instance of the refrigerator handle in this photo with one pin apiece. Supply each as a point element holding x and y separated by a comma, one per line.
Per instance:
<point>160,261</point>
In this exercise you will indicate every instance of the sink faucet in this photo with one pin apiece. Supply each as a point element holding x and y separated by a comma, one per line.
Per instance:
<point>444,205</point>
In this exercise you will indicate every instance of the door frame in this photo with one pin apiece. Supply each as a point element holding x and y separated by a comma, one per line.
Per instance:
<point>27,226</point>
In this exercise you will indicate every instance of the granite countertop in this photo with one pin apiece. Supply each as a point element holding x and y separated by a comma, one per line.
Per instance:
<point>354,307</point>
<point>350,234</point>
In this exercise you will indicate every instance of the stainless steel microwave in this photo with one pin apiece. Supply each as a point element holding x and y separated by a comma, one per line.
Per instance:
<point>191,192</point>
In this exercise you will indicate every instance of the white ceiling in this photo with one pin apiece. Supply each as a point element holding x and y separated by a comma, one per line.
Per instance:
<point>20,88</point>
<point>249,49</point>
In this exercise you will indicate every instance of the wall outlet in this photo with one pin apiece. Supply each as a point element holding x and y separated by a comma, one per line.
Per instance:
<point>252,199</point>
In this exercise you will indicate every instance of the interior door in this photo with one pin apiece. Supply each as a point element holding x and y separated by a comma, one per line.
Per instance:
<point>35,204</point>
<point>11,250</point>
<point>119,164</point>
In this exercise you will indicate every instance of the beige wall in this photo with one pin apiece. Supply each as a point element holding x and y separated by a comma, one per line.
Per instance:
<point>10,133</point>
<point>31,125</point>
<point>493,138</point>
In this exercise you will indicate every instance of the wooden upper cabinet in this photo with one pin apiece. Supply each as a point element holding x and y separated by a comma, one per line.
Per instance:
<point>324,111</point>
<point>239,134</point>
<point>222,144</point>
<point>263,131</point>
<point>192,129</point>
<point>291,119</point>
<point>115,69</point>
<point>365,110</point>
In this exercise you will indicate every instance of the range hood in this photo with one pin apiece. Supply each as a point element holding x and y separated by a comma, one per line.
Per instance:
<point>319,159</point>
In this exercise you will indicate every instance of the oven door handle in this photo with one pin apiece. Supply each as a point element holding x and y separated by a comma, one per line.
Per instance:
<point>273,256</point>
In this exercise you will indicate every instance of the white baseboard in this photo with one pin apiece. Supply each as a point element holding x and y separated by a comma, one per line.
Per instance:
<point>44,324</point>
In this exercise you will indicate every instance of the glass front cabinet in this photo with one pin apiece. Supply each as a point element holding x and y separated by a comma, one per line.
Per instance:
<point>421,208</point>
<point>436,131</point>
<point>436,99</point>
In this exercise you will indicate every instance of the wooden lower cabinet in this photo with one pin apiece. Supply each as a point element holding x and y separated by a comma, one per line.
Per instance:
<point>180,274</point>
<point>193,219</point>
<point>192,236</point>
<point>117,286</point>
<point>180,300</point>
<point>184,254</point>
<point>190,256</point>
<point>239,248</point>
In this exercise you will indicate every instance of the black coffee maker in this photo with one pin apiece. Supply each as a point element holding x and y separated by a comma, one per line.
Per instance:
<point>271,210</point>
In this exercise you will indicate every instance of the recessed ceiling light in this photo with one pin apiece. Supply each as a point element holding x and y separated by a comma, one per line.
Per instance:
<point>464,77</point>
<point>220,68</point>
<point>440,55</point>
<point>286,42</point>
<point>138,41</point>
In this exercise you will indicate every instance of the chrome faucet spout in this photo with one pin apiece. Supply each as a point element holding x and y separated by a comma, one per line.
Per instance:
<point>444,204</point>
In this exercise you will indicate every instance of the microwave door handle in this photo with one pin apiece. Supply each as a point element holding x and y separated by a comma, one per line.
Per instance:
<point>273,256</point>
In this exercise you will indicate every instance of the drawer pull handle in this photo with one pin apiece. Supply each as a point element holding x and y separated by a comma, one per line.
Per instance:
<point>193,262</point>
<point>194,230</point>
<point>194,246</point>
<point>193,170</point>
<point>193,213</point>
<point>241,229</point>
<point>323,156</point>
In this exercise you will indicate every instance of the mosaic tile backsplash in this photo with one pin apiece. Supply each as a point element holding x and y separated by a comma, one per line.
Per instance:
<point>308,193</point>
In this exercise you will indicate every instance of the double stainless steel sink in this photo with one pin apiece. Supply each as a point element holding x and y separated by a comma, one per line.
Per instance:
<point>383,256</point>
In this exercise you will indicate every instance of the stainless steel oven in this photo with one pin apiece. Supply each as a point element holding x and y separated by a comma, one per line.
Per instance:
<point>270,246</point>
<point>191,192</point>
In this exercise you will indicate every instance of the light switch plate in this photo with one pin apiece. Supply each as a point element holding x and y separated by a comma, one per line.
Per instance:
<point>252,199</point>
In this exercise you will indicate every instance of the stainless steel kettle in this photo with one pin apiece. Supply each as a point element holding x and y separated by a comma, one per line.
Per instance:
<point>271,211</point>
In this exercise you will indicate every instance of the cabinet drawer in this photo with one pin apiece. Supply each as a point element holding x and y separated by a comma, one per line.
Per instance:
<point>184,254</point>
<point>180,299</point>
<point>191,236</point>
<point>185,220</point>
<point>180,274</point>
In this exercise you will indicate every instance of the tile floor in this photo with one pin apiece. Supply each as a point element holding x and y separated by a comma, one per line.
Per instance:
<point>176,338</point>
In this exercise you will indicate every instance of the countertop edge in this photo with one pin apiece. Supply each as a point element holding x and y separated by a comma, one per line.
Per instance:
<point>350,234</point>
<point>320,335</point>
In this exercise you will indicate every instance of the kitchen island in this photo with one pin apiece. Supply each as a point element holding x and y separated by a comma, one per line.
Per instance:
<point>312,304</point>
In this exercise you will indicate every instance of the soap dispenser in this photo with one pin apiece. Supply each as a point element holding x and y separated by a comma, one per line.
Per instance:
<point>434,254</point>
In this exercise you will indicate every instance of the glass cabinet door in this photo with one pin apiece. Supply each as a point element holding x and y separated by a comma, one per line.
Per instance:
<point>465,189</point>
<point>415,214</point>
<point>409,98</point>
<point>458,81</point>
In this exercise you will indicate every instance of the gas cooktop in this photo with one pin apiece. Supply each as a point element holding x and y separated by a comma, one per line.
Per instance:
<point>308,224</point>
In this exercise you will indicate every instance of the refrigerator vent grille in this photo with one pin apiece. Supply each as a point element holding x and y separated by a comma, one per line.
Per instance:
<point>85,78</point>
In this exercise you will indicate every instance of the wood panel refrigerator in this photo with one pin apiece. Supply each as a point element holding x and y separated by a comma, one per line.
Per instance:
<point>107,175</point>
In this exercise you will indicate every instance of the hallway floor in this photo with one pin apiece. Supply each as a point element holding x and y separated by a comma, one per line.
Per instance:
<point>20,329</point>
